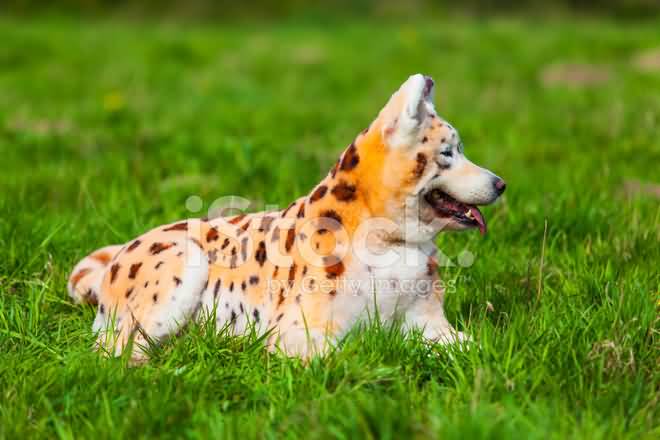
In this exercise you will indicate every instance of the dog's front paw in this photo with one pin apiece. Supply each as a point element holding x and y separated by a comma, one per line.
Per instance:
<point>451,337</point>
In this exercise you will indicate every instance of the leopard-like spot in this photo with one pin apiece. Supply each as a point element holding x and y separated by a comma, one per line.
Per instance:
<point>329,219</point>
<point>157,248</point>
<point>244,243</point>
<point>237,219</point>
<point>332,293</point>
<point>290,238</point>
<point>318,194</point>
<point>114,269</point>
<point>276,234</point>
<point>79,275</point>
<point>344,192</point>
<point>129,292</point>
<point>431,267</point>
<point>292,274</point>
<point>243,287</point>
<point>255,314</point>
<point>212,235</point>
<point>213,256</point>
<point>216,288</point>
<point>157,266</point>
<point>102,257</point>
<point>133,271</point>
<point>224,244</point>
<point>183,226</point>
<point>254,280</point>
<point>333,171</point>
<point>231,286</point>
<point>286,211</point>
<point>421,165</point>
<point>155,297</point>
<point>260,254</point>
<point>177,281</point>
<point>334,268</point>
<point>301,211</point>
<point>350,159</point>
<point>265,224</point>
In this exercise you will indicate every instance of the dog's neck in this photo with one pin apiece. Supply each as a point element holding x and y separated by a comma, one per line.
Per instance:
<point>354,187</point>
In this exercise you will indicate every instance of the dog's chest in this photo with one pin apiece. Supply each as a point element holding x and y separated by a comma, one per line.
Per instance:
<point>386,284</point>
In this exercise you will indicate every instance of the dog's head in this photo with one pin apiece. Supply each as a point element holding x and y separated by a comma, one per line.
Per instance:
<point>427,182</point>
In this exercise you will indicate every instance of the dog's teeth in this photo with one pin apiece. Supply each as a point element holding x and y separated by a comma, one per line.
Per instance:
<point>468,214</point>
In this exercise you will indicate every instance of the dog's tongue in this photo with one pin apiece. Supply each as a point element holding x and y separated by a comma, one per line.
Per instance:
<point>479,218</point>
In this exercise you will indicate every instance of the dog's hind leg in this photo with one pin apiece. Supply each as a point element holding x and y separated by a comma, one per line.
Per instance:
<point>150,293</point>
<point>84,283</point>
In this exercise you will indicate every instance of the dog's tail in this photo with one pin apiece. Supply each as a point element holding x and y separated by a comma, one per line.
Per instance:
<point>84,284</point>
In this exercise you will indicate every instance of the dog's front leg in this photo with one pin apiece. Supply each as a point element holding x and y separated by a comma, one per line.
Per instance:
<point>427,313</point>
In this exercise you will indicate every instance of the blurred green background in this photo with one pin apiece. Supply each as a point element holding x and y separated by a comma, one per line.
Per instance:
<point>113,113</point>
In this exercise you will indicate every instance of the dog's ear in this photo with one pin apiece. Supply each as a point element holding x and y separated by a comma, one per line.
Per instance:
<point>410,106</point>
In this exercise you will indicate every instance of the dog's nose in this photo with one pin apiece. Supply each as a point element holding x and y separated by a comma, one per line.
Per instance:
<point>500,186</point>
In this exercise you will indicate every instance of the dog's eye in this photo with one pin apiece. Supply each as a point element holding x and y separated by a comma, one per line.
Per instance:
<point>447,153</point>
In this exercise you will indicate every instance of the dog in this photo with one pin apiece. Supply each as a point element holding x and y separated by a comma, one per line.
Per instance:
<point>360,244</point>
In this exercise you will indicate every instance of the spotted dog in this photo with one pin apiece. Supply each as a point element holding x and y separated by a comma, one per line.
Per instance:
<point>360,244</point>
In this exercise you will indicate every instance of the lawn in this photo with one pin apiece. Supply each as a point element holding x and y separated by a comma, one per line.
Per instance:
<point>107,127</point>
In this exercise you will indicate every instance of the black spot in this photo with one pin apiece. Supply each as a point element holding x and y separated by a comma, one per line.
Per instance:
<point>286,211</point>
<point>244,243</point>
<point>113,272</point>
<point>344,192</point>
<point>421,165</point>
<point>129,292</point>
<point>243,285</point>
<point>254,280</point>
<point>301,211</point>
<point>224,244</point>
<point>279,317</point>
<point>157,248</point>
<point>318,193</point>
<point>255,314</point>
<point>135,268</point>
<point>233,316</point>
<point>292,274</point>
<point>334,268</point>
<point>237,219</point>
<point>133,245</point>
<point>231,286</point>
<point>350,159</point>
<point>328,220</point>
<point>240,305</point>
<point>260,255</point>
<point>265,224</point>
<point>157,266</point>
<point>155,298</point>
<point>290,238</point>
<point>178,227</point>
<point>177,280</point>
<point>101,309</point>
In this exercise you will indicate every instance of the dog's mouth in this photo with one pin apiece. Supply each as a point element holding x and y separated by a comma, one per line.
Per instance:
<point>446,206</point>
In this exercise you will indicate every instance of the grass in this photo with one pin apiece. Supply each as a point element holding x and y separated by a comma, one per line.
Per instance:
<point>106,128</point>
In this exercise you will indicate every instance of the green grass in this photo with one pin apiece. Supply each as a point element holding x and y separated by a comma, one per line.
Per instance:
<point>106,129</point>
